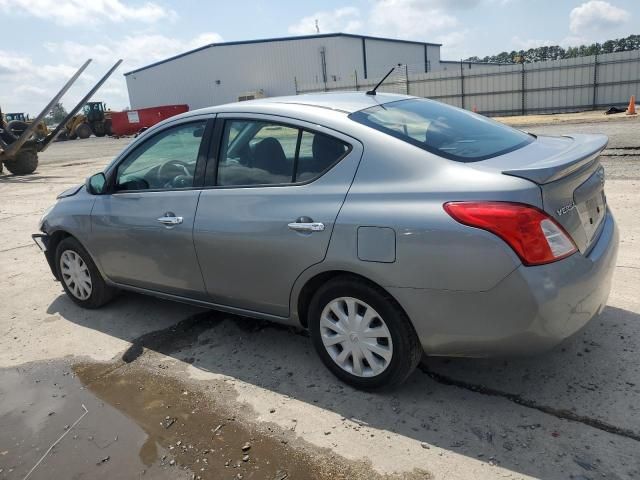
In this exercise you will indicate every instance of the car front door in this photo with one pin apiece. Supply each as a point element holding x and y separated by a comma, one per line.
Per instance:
<point>142,231</point>
<point>269,206</point>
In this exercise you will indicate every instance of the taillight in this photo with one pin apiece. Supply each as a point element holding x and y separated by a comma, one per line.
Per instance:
<point>534,236</point>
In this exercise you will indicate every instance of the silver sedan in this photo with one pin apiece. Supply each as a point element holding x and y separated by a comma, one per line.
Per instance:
<point>389,226</point>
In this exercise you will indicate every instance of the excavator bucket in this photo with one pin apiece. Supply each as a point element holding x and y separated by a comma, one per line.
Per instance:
<point>44,144</point>
<point>15,146</point>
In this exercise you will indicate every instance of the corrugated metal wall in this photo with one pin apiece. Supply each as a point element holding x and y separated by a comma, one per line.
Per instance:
<point>219,74</point>
<point>545,87</point>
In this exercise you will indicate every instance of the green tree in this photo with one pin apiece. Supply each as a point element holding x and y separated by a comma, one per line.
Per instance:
<point>56,115</point>
<point>556,52</point>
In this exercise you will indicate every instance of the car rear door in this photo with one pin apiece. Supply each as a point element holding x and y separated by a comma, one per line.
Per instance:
<point>142,231</point>
<point>257,228</point>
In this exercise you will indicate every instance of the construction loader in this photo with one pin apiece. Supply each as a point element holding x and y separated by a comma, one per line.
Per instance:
<point>93,119</point>
<point>19,149</point>
<point>18,122</point>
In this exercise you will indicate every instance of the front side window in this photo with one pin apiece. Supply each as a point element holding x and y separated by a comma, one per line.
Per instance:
<point>266,153</point>
<point>446,131</point>
<point>165,161</point>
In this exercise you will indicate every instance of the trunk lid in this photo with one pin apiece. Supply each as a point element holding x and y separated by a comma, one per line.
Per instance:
<point>570,177</point>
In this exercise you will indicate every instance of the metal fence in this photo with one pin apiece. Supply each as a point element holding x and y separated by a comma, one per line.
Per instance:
<point>569,85</point>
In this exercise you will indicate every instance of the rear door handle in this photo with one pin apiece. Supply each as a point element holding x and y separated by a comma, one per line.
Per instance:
<point>306,227</point>
<point>170,220</point>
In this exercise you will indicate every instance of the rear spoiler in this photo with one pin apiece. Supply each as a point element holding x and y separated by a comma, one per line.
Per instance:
<point>583,150</point>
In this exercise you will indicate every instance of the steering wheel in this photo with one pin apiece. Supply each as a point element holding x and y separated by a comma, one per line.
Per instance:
<point>168,171</point>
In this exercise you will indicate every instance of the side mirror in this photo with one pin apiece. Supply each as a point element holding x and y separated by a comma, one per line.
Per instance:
<point>96,184</point>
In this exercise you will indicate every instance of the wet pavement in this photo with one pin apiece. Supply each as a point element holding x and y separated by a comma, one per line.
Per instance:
<point>140,423</point>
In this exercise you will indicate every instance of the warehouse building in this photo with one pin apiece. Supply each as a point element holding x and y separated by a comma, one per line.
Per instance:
<point>226,72</point>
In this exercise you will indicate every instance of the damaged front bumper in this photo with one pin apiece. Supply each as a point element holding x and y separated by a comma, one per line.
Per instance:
<point>42,240</point>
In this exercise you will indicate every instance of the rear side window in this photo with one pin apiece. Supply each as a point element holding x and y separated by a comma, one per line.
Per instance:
<point>265,153</point>
<point>444,130</point>
<point>318,153</point>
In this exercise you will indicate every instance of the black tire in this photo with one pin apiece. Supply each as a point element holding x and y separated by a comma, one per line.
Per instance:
<point>108,130</point>
<point>101,293</point>
<point>17,127</point>
<point>83,130</point>
<point>98,129</point>
<point>407,350</point>
<point>24,163</point>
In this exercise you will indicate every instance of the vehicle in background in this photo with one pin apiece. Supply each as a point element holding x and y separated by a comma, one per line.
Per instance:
<point>131,122</point>
<point>389,226</point>
<point>19,122</point>
<point>95,119</point>
<point>19,148</point>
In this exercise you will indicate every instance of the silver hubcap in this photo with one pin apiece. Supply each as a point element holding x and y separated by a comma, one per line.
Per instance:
<point>75,274</point>
<point>356,337</point>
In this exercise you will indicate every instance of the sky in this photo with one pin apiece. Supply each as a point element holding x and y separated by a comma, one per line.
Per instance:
<point>45,41</point>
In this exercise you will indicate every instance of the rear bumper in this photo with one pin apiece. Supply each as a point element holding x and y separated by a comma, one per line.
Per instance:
<point>531,310</point>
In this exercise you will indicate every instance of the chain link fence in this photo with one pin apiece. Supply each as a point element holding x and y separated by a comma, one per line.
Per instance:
<point>568,85</point>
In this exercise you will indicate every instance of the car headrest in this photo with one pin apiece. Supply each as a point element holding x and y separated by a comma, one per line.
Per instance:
<point>268,155</point>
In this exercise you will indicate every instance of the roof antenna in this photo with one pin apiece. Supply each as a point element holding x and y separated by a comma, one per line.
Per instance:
<point>373,90</point>
<point>317,27</point>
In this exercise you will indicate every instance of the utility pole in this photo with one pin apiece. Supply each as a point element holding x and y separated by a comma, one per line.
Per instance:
<point>317,26</point>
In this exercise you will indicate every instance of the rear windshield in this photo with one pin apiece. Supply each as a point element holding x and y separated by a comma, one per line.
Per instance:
<point>446,131</point>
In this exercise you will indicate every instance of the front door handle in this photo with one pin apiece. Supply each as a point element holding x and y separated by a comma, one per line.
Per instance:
<point>307,226</point>
<point>169,219</point>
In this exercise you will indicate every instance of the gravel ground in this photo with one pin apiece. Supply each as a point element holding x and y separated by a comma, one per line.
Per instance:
<point>153,373</point>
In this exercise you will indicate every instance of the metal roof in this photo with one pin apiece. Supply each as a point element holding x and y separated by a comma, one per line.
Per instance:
<point>281,39</point>
<point>345,102</point>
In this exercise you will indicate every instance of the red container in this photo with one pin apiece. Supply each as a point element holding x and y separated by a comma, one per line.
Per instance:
<point>132,121</point>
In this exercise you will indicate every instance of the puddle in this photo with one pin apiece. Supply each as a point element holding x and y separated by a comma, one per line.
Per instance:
<point>40,402</point>
<point>142,423</point>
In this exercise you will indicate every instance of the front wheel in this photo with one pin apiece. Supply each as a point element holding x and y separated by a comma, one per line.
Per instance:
<point>362,335</point>
<point>83,131</point>
<point>79,276</point>
<point>24,163</point>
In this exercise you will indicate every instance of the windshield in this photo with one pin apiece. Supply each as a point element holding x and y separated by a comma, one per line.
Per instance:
<point>444,130</point>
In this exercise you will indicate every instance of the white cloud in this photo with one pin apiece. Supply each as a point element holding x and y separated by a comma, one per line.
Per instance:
<point>596,15</point>
<point>346,19</point>
<point>28,86</point>
<point>86,12</point>
<point>527,43</point>
<point>411,19</point>
<point>455,44</point>
<point>137,50</point>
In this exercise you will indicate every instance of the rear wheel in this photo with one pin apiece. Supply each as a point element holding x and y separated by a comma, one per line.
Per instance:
<point>83,130</point>
<point>107,127</point>
<point>362,335</point>
<point>98,129</point>
<point>24,163</point>
<point>79,275</point>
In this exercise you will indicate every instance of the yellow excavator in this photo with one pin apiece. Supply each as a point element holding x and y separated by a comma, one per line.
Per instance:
<point>19,149</point>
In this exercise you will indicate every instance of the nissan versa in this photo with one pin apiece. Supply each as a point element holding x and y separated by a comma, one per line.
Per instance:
<point>387,225</point>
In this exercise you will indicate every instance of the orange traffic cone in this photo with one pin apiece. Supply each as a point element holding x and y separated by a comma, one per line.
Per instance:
<point>631,110</point>
<point>474,109</point>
